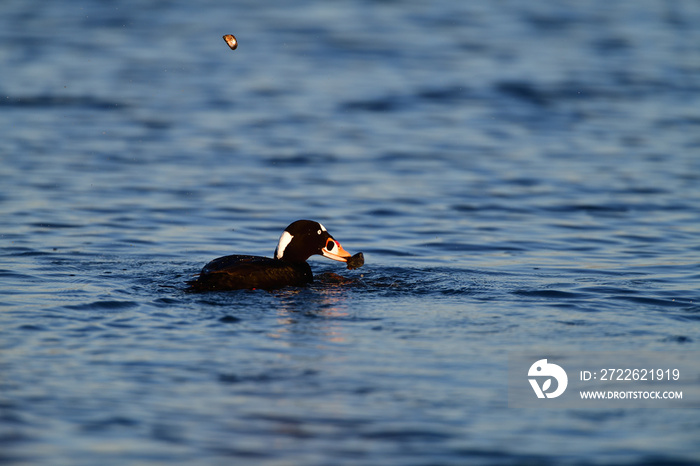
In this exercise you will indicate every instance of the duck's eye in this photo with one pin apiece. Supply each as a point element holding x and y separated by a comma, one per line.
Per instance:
<point>318,232</point>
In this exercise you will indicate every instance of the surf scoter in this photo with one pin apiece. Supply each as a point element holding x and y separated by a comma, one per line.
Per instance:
<point>298,242</point>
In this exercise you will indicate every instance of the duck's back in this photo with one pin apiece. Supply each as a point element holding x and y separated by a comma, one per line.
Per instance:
<point>248,272</point>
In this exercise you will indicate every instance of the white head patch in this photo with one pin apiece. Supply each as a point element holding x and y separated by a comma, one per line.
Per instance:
<point>285,239</point>
<point>322,228</point>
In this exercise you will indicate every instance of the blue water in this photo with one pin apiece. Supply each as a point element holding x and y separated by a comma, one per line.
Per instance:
<point>518,175</point>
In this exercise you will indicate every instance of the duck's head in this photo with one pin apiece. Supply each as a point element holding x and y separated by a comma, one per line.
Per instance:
<point>304,238</point>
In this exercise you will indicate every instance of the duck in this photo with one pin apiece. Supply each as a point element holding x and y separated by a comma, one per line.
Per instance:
<point>299,241</point>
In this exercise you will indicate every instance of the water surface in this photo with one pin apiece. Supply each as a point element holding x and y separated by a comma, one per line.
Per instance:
<point>517,175</point>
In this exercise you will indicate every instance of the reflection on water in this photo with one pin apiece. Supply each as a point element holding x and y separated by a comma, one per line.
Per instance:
<point>328,304</point>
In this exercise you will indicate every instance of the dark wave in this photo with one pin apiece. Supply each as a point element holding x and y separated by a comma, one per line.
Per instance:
<point>55,101</point>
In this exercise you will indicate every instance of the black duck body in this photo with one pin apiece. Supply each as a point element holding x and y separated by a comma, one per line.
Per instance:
<point>239,272</point>
<point>298,242</point>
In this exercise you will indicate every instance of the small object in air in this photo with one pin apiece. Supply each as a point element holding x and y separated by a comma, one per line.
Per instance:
<point>231,41</point>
